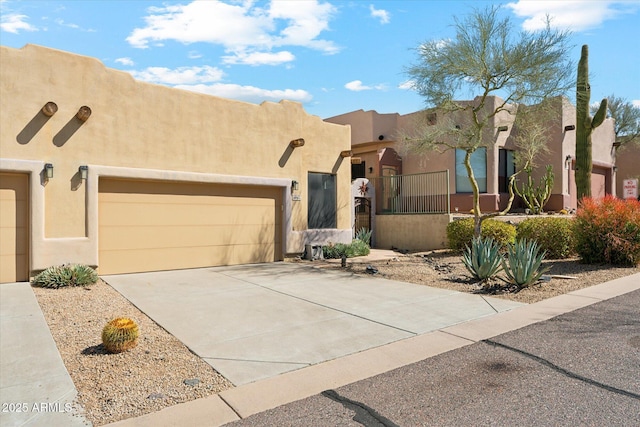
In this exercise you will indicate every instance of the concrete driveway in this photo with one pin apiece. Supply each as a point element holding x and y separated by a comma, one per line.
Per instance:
<point>252,322</point>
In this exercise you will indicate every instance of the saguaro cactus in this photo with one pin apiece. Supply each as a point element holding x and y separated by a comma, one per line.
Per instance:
<point>585,124</point>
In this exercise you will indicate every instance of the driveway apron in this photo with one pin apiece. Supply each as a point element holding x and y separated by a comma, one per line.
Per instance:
<point>257,321</point>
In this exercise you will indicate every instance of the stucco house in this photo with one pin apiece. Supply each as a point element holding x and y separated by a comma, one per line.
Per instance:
<point>100,169</point>
<point>374,140</point>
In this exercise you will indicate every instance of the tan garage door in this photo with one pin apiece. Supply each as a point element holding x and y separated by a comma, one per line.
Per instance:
<point>14,227</point>
<point>151,226</point>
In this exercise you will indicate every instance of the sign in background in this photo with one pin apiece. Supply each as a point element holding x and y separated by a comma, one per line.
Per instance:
<point>630,189</point>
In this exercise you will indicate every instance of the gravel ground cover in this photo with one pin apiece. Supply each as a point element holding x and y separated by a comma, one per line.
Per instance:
<point>443,269</point>
<point>160,371</point>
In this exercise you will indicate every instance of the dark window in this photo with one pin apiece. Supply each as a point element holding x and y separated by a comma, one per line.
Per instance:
<point>506,168</point>
<point>479,166</point>
<point>357,171</point>
<point>322,200</point>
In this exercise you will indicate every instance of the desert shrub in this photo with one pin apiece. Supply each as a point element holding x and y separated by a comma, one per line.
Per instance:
<point>483,259</point>
<point>120,334</point>
<point>554,235</point>
<point>59,276</point>
<point>355,248</point>
<point>523,265</point>
<point>608,231</point>
<point>460,233</point>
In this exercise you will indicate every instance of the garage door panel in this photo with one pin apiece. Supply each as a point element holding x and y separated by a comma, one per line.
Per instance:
<point>143,214</point>
<point>185,236</point>
<point>14,227</point>
<point>184,225</point>
<point>192,257</point>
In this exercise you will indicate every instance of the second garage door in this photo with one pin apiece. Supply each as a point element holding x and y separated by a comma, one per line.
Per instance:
<point>151,226</point>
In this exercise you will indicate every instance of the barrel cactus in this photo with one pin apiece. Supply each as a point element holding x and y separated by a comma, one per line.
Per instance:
<point>585,124</point>
<point>119,335</point>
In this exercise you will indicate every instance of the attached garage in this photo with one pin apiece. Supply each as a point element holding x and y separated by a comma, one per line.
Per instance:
<point>14,227</point>
<point>159,225</point>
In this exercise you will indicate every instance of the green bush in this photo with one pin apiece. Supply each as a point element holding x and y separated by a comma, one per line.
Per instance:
<point>554,235</point>
<point>353,249</point>
<point>460,232</point>
<point>482,259</point>
<point>523,265</point>
<point>364,235</point>
<point>608,231</point>
<point>60,276</point>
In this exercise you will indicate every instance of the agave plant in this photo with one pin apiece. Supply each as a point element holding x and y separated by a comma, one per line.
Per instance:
<point>59,276</point>
<point>483,259</point>
<point>523,263</point>
<point>364,235</point>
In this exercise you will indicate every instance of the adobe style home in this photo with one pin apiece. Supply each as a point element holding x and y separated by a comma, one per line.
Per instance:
<point>100,169</point>
<point>374,135</point>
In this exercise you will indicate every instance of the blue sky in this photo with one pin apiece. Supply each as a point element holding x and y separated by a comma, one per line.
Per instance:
<point>332,56</point>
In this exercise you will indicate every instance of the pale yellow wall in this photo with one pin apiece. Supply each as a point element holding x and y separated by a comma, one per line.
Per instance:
<point>139,125</point>
<point>412,232</point>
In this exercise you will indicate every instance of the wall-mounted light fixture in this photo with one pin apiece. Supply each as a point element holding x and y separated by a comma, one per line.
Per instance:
<point>48,170</point>
<point>380,137</point>
<point>83,113</point>
<point>49,109</point>
<point>295,185</point>
<point>615,169</point>
<point>297,143</point>
<point>84,171</point>
<point>567,161</point>
<point>570,127</point>
<point>346,153</point>
<point>356,160</point>
<point>503,128</point>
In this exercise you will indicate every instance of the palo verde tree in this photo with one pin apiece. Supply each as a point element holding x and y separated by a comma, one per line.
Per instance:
<point>488,57</point>
<point>627,119</point>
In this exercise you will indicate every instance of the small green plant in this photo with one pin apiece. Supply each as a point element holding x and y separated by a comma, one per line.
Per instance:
<point>523,265</point>
<point>483,259</point>
<point>120,334</point>
<point>60,276</point>
<point>460,232</point>
<point>364,235</point>
<point>355,248</point>
<point>553,235</point>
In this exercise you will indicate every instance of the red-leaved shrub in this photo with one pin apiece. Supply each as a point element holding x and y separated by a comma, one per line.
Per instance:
<point>608,231</point>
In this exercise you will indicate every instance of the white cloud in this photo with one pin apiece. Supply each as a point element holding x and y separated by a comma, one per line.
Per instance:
<point>14,23</point>
<point>249,93</point>
<point>381,14</point>
<point>180,75</point>
<point>577,15</point>
<point>128,62</point>
<point>407,85</point>
<point>242,28</point>
<point>636,103</point>
<point>194,54</point>
<point>357,86</point>
<point>259,58</point>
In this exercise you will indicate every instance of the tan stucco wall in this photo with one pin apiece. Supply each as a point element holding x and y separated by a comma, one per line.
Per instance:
<point>139,127</point>
<point>628,162</point>
<point>412,232</point>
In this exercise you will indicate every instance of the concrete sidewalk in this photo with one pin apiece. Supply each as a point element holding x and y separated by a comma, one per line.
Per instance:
<point>35,387</point>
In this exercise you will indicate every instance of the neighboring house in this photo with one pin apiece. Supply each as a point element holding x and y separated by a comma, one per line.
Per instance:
<point>100,169</point>
<point>373,139</point>
<point>628,164</point>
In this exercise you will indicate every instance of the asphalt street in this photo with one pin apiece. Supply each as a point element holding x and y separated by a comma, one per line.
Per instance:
<point>578,369</point>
